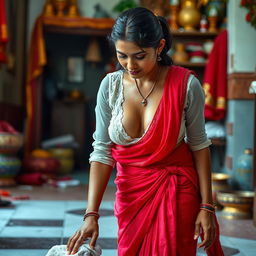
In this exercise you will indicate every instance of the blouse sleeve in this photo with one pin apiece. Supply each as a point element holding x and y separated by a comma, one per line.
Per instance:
<point>102,143</point>
<point>194,116</point>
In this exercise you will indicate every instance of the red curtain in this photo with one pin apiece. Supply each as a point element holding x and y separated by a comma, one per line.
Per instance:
<point>3,32</point>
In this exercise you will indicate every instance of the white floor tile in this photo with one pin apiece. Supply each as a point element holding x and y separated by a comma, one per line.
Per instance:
<point>71,224</point>
<point>3,222</point>
<point>75,205</point>
<point>109,252</point>
<point>6,213</point>
<point>23,252</point>
<point>107,205</point>
<point>35,232</point>
<point>40,210</point>
<point>246,247</point>
<point>108,227</point>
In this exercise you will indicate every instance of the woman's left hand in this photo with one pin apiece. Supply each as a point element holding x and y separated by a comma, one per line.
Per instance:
<point>205,223</point>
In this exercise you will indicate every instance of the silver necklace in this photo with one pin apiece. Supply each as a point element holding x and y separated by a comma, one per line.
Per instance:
<point>144,102</point>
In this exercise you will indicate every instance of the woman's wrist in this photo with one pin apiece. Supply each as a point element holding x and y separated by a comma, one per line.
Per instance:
<point>94,214</point>
<point>207,207</point>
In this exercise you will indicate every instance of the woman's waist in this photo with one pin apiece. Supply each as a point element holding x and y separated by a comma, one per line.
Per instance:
<point>134,170</point>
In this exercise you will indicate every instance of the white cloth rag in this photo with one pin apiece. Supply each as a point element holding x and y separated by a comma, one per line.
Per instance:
<point>84,250</point>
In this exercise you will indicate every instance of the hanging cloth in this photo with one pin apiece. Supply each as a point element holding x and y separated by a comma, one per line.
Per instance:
<point>215,79</point>
<point>36,62</point>
<point>3,32</point>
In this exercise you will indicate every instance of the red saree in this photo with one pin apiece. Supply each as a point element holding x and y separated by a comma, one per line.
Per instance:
<point>157,198</point>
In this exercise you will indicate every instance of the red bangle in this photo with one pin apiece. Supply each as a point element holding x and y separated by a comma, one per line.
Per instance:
<point>205,209</point>
<point>87,214</point>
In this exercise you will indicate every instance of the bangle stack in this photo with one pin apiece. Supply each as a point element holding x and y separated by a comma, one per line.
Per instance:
<point>207,207</point>
<point>92,213</point>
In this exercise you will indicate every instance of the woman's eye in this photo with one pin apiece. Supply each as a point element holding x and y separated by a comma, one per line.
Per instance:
<point>140,57</point>
<point>121,56</point>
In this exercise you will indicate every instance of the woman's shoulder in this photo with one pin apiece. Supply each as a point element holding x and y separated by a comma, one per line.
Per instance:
<point>115,75</point>
<point>109,78</point>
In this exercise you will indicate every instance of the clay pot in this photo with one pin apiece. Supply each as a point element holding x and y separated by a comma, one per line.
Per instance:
<point>9,168</point>
<point>42,165</point>
<point>65,157</point>
<point>10,143</point>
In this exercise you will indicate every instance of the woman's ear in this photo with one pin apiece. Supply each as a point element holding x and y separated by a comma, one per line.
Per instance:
<point>161,46</point>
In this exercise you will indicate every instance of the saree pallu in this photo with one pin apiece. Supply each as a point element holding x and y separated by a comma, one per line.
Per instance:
<point>157,198</point>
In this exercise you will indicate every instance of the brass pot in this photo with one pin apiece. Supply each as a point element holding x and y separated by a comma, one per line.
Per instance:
<point>219,183</point>
<point>237,204</point>
<point>180,54</point>
<point>60,6</point>
<point>189,16</point>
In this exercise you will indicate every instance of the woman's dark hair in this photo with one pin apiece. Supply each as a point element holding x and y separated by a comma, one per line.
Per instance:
<point>141,26</point>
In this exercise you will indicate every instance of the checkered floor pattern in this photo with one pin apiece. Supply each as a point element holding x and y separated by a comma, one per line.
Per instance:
<point>30,228</point>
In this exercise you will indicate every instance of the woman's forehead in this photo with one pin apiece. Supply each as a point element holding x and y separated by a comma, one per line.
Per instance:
<point>129,47</point>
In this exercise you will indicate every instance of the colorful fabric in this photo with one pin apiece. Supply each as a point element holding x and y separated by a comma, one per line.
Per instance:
<point>215,79</point>
<point>37,60</point>
<point>158,199</point>
<point>3,32</point>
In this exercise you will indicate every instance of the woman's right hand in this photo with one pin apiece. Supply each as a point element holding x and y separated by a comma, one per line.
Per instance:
<point>89,229</point>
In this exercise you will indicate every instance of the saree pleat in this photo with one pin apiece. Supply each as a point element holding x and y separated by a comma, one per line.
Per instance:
<point>157,198</point>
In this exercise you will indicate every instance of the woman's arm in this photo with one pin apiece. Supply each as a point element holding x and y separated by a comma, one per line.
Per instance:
<point>205,221</point>
<point>199,144</point>
<point>99,177</point>
<point>100,170</point>
<point>203,166</point>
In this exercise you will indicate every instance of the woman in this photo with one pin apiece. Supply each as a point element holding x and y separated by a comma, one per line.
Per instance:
<point>144,112</point>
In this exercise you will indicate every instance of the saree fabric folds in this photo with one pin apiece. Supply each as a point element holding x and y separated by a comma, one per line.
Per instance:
<point>157,198</point>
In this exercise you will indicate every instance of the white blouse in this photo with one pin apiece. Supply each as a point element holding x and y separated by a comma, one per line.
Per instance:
<point>109,115</point>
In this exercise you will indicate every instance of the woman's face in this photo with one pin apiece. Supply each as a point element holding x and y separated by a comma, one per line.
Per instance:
<point>137,61</point>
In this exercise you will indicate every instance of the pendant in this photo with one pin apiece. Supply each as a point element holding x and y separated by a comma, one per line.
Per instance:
<point>144,102</point>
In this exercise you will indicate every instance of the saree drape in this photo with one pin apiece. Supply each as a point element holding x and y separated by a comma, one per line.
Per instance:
<point>157,198</point>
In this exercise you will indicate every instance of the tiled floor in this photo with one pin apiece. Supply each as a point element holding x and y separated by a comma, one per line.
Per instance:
<point>51,215</point>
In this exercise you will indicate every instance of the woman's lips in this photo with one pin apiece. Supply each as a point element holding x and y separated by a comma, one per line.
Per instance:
<point>133,72</point>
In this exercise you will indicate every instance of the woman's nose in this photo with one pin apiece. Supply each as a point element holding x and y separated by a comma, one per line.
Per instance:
<point>131,64</point>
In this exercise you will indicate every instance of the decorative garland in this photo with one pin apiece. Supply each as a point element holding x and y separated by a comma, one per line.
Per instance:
<point>250,5</point>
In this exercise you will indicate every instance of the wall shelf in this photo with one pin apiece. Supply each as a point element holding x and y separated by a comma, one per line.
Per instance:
<point>78,25</point>
<point>194,34</point>
<point>102,27</point>
<point>189,64</point>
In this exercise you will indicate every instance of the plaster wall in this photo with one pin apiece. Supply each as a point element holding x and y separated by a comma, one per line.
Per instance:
<point>241,114</point>
<point>241,41</point>
<point>241,58</point>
